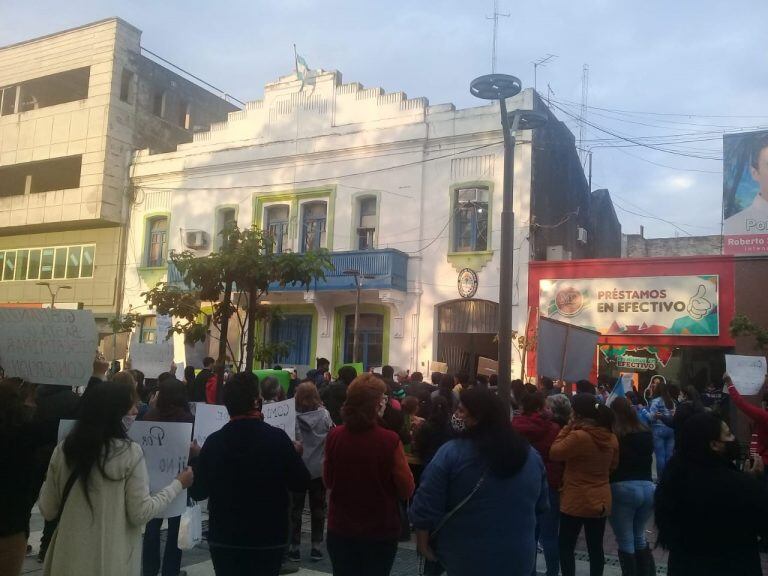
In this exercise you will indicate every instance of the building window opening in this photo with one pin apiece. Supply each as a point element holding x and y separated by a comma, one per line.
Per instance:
<point>277,226</point>
<point>54,89</point>
<point>313,226</point>
<point>185,115</point>
<point>126,86</point>
<point>148,330</point>
<point>366,226</point>
<point>158,104</point>
<point>157,242</point>
<point>43,176</point>
<point>9,100</point>
<point>471,220</point>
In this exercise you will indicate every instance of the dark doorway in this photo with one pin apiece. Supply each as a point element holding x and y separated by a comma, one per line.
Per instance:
<point>371,338</point>
<point>466,330</point>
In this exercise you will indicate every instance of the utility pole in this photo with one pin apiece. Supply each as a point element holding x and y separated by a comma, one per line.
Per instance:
<point>495,18</point>
<point>358,286</point>
<point>583,109</point>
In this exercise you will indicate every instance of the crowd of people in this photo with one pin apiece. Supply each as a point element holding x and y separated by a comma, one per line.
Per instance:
<point>378,457</point>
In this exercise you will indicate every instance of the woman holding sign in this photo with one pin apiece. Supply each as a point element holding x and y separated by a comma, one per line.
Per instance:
<point>97,487</point>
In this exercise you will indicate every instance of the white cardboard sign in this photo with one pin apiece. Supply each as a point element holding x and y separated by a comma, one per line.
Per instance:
<point>152,359</point>
<point>166,449</point>
<point>48,346</point>
<point>209,418</point>
<point>281,415</point>
<point>747,373</point>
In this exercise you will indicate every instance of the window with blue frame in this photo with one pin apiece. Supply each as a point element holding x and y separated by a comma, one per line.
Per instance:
<point>313,225</point>
<point>157,241</point>
<point>148,330</point>
<point>276,225</point>
<point>296,331</point>
<point>470,233</point>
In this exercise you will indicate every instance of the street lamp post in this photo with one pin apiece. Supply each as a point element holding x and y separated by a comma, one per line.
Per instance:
<point>53,290</point>
<point>358,285</point>
<point>500,87</point>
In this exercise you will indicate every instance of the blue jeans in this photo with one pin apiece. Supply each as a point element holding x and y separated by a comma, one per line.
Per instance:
<point>150,561</point>
<point>548,531</point>
<point>663,446</point>
<point>631,509</point>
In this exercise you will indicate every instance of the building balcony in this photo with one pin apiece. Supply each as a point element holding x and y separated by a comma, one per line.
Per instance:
<point>388,267</point>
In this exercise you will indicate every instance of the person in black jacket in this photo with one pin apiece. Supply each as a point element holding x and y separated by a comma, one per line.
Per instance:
<point>690,404</point>
<point>708,513</point>
<point>435,431</point>
<point>247,470</point>
<point>197,393</point>
<point>334,394</point>
<point>632,491</point>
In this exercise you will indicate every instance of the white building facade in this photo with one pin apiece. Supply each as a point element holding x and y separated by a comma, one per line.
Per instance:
<point>401,191</point>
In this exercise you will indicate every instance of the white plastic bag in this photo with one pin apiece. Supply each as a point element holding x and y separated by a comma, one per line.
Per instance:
<point>190,528</point>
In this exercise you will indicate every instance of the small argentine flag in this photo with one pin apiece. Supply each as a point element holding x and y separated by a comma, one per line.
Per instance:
<point>620,389</point>
<point>301,66</point>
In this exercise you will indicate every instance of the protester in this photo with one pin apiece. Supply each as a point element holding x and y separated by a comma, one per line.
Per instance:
<point>198,391</point>
<point>422,391</point>
<point>445,389</point>
<point>293,384</point>
<point>462,382</point>
<point>714,399</point>
<point>590,451</point>
<point>271,391</point>
<point>246,470</point>
<point>662,407</point>
<point>547,386</point>
<point>708,513</point>
<point>632,491</point>
<point>313,422</point>
<point>20,474</point>
<point>559,405</point>
<point>536,427</point>
<point>107,503</point>
<point>586,387</point>
<point>757,415</point>
<point>435,431</point>
<point>53,404</point>
<point>335,394</point>
<point>481,493</point>
<point>189,378</point>
<point>518,392</point>
<point>170,405</point>
<point>367,474</point>
<point>690,404</point>
<point>411,422</point>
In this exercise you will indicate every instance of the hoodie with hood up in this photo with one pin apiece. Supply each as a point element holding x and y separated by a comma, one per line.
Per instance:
<point>590,452</point>
<point>311,430</point>
<point>541,432</point>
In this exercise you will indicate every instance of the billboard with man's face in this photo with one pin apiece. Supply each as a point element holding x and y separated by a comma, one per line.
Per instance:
<point>745,193</point>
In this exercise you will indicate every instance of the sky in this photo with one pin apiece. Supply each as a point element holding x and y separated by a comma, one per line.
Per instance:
<point>660,72</point>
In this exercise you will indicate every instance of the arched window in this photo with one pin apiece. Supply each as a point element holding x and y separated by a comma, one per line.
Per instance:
<point>276,219</point>
<point>157,241</point>
<point>313,224</point>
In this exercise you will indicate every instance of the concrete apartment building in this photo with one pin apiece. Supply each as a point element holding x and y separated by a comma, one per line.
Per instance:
<point>73,106</point>
<point>402,191</point>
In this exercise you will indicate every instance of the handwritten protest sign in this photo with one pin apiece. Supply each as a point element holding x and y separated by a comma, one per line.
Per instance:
<point>166,448</point>
<point>746,372</point>
<point>65,427</point>
<point>209,418</point>
<point>281,415</point>
<point>48,346</point>
<point>152,358</point>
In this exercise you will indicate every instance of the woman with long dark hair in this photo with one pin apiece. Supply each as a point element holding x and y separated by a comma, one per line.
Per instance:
<point>435,431</point>
<point>170,406</point>
<point>590,451</point>
<point>632,491</point>
<point>367,473</point>
<point>481,494</point>
<point>98,487</point>
<point>708,513</point>
<point>662,408</point>
<point>445,390</point>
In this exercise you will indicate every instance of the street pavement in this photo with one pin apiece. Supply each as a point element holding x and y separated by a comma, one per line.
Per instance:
<point>197,562</point>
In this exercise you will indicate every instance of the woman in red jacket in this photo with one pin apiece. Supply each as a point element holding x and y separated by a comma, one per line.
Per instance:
<point>367,474</point>
<point>758,416</point>
<point>541,431</point>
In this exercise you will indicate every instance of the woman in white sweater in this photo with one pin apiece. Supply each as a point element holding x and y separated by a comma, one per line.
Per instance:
<point>101,518</point>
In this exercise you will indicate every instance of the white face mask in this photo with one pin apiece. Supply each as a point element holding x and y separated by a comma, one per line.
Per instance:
<point>128,421</point>
<point>457,423</point>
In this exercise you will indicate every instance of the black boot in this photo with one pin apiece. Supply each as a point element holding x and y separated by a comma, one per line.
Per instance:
<point>628,564</point>
<point>646,565</point>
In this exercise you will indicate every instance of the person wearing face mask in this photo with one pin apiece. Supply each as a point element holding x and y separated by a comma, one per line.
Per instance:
<point>481,495</point>
<point>367,473</point>
<point>721,536</point>
<point>97,487</point>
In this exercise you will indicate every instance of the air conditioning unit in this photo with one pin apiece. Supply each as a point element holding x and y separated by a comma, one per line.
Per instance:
<point>196,239</point>
<point>581,235</point>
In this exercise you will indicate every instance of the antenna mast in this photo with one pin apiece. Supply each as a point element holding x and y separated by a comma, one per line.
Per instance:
<point>541,62</point>
<point>495,19</point>
<point>583,111</point>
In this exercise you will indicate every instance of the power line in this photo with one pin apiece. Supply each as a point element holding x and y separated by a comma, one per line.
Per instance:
<point>678,114</point>
<point>620,207</point>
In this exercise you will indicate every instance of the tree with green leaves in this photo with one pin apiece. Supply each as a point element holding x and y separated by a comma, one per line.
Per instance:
<point>228,284</point>
<point>743,326</point>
